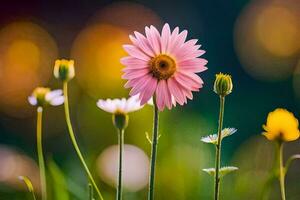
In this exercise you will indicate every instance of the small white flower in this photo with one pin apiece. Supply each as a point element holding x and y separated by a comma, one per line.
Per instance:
<point>120,105</point>
<point>214,137</point>
<point>223,170</point>
<point>43,96</point>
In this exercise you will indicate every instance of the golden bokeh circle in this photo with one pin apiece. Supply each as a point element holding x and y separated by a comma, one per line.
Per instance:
<point>26,58</point>
<point>266,41</point>
<point>97,52</point>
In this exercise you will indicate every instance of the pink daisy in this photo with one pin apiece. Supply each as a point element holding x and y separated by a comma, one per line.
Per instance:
<point>163,64</point>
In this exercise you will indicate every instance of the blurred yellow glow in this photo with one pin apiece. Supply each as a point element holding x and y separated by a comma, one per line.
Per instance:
<point>26,61</point>
<point>13,165</point>
<point>278,29</point>
<point>128,15</point>
<point>135,171</point>
<point>97,52</point>
<point>266,41</point>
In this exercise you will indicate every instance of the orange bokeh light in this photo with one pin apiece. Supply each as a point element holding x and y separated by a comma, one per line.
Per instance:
<point>278,29</point>
<point>266,41</point>
<point>97,52</point>
<point>27,54</point>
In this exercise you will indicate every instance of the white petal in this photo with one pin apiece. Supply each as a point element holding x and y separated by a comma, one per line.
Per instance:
<point>105,105</point>
<point>123,104</point>
<point>54,93</point>
<point>133,104</point>
<point>32,100</point>
<point>56,101</point>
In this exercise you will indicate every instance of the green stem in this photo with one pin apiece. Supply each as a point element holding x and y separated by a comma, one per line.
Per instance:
<point>121,149</point>
<point>281,171</point>
<point>40,152</point>
<point>73,139</point>
<point>218,149</point>
<point>153,152</point>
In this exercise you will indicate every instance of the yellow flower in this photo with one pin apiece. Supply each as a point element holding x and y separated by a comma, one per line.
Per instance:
<point>64,69</point>
<point>281,125</point>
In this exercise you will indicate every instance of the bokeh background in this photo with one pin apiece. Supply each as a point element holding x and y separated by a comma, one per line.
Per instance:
<point>257,41</point>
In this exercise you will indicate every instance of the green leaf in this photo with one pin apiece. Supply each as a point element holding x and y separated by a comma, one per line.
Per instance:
<point>213,139</point>
<point>59,182</point>
<point>223,170</point>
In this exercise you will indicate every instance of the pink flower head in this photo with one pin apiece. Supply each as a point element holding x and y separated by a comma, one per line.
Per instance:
<point>163,64</point>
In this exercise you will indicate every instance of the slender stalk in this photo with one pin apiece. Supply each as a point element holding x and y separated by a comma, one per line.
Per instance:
<point>74,142</point>
<point>153,152</point>
<point>40,152</point>
<point>121,149</point>
<point>218,149</point>
<point>281,171</point>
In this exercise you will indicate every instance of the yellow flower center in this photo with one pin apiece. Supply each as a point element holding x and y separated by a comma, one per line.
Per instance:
<point>40,94</point>
<point>162,67</point>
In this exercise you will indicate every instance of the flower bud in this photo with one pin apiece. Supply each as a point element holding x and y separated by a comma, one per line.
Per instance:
<point>40,95</point>
<point>64,69</point>
<point>223,84</point>
<point>120,120</point>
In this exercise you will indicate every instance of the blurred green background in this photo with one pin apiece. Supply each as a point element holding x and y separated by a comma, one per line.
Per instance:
<point>255,41</point>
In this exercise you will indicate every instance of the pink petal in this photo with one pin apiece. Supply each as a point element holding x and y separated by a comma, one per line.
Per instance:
<point>187,82</point>
<point>190,55</point>
<point>178,41</point>
<point>187,93</point>
<point>148,91</point>
<point>135,73</point>
<point>165,35</point>
<point>133,70</point>
<point>135,52</point>
<point>186,49</point>
<point>173,37</point>
<point>153,38</point>
<point>133,63</point>
<point>129,60</point>
<point>143,43</point>
<point>160,96</point>
<point>192,62</point>
<point>194,65</point>
<point>140,85</point>
<point>130,83</point>
<point>175,90</point>
<point>192,76</point>
<point>163,95</point>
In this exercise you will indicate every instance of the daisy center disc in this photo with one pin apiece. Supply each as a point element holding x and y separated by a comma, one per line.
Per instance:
<point>162,66</point>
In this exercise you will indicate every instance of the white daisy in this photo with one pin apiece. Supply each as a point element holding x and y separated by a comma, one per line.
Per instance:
<point>42,96</point>
<point>120,105</point>
<point>214,137</point>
